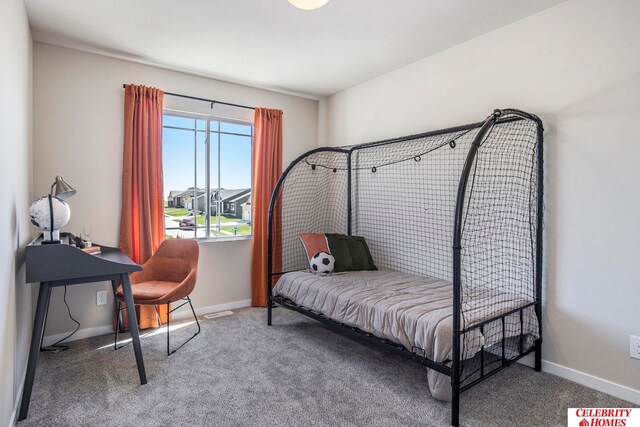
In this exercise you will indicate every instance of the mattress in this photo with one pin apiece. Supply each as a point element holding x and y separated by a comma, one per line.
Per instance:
<point>414,311</point>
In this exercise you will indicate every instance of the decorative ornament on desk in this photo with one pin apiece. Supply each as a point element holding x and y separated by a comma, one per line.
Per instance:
<point>40,213</point>
<point>50,213</point>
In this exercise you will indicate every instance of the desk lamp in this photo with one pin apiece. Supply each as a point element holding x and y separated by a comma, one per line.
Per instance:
<point>50,213</point>
<point>62,189</point>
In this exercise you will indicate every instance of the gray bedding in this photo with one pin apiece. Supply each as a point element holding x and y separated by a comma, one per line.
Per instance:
<point>410,310</point>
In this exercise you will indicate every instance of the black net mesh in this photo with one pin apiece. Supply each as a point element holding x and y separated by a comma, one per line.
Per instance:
<point>315,201</point>
<point>403,200</point>
<point>498,271</point>
<point>405,208</point>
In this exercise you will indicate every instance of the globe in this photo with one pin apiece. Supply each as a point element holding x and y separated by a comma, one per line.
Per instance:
<point>40,213</point>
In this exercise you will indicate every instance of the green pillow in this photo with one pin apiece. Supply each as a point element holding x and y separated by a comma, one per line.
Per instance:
<point>351,253</point>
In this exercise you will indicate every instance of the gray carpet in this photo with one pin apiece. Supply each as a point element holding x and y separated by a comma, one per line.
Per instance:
<point>238,372</point>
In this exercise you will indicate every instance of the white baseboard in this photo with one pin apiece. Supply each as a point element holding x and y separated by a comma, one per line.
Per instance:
<point>617,390</point>
<point>184,313</point>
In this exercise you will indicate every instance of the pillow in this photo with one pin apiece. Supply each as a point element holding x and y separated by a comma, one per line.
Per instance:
<point>314,243</point>
<point>351,253</point>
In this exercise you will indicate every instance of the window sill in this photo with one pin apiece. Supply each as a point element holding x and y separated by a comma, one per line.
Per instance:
<point>222,239</point>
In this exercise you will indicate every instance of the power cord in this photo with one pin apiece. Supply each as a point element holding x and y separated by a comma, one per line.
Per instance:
<point>56,347</point>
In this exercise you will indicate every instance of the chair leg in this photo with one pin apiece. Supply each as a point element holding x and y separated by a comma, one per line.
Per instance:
<point>194,315</point>
<point>168,322</point>
<point>169,311</point>
<point>169,351</point>
<point>119,325</point>
<point>118,313</point>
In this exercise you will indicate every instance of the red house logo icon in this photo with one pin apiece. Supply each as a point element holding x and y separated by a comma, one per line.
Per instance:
<point>584,423</point>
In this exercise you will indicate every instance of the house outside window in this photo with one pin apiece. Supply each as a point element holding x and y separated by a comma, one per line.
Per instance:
<point>207,176</point>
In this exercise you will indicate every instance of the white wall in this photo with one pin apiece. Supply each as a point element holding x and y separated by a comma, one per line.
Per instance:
<point>15,175</point>
<point>577,65</point>
<point>78,133</point>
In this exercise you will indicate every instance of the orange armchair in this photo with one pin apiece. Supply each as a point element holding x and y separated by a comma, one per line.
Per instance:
<point>168,276</point>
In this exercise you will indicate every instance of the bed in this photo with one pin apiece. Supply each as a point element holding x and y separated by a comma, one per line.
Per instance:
<point>453,221</point>
<point>410,310</point>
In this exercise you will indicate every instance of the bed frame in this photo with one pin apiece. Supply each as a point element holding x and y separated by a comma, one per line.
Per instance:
<point>469,271</point>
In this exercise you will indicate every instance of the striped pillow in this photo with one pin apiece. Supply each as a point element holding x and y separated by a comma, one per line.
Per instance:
<point>314,243</point>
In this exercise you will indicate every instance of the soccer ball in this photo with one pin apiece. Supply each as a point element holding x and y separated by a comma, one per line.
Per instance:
<point>322,263</point>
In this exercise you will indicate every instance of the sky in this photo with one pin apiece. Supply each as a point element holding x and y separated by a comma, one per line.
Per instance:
<point>178,154</point>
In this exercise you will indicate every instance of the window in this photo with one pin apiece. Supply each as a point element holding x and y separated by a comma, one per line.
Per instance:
<point>207,176</point>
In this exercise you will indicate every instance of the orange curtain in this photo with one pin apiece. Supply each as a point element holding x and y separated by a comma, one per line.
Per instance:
<point>142,213</point>
<point>267,168</point>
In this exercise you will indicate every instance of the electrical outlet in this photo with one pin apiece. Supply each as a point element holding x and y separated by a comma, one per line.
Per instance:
<point>634,346</point>
<point>101,298</point>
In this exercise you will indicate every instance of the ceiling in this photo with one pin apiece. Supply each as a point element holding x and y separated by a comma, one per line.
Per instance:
<point>269,43</point>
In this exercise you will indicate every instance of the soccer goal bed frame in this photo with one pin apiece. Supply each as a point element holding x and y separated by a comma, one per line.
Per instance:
<point>463,205</point>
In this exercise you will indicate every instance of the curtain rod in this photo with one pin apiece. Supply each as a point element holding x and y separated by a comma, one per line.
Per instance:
<point>212,101</point>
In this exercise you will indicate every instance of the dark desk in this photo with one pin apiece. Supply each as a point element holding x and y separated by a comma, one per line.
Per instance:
<point>60,265</point>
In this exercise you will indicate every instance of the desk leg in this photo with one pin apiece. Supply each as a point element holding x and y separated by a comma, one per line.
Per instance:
<point>133,326</point>
<point>36,338</point>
